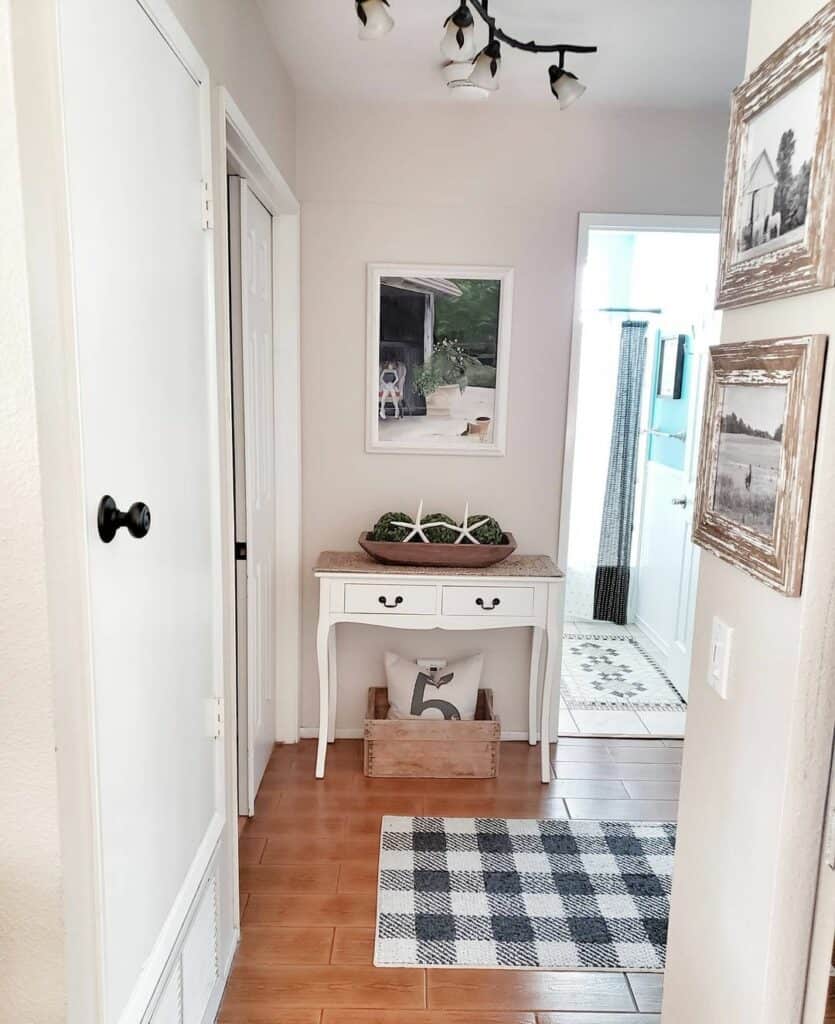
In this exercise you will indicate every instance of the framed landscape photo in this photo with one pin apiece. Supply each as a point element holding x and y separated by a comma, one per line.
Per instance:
<point>438,358</point>
<point>778,230</point>
<point>757,456</point>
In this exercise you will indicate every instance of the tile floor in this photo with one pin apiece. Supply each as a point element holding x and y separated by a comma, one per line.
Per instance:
<point>308,889</point>
<point>626,722</point>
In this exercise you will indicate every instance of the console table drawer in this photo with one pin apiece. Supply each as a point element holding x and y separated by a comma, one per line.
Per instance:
<point>386,599</point>
<point>488,600</point>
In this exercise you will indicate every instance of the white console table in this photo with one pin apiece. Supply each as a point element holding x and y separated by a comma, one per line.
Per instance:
<point>524,590</point>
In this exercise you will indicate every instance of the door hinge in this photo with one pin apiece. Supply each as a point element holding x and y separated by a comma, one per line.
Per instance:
<point>240,550</point>
<point>207,207</point>
<point>214,717</point>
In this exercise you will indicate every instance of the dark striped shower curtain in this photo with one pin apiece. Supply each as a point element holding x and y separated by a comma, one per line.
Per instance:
<point>611,582</point>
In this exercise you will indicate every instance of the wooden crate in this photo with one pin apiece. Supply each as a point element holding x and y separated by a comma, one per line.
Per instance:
<point>430,749</point>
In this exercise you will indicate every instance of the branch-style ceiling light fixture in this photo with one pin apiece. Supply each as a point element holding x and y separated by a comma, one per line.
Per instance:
<point>472,69</point>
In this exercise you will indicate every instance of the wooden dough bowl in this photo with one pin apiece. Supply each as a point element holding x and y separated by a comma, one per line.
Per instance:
<point>443,556</point>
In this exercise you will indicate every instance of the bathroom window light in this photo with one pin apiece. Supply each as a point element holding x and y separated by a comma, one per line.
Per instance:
<point>458,43</point>
<point>374,18</point>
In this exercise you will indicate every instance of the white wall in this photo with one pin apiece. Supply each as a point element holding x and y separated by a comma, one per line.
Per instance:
<point>31,916</point>
<point>460,185</point>
<point>756,766</point>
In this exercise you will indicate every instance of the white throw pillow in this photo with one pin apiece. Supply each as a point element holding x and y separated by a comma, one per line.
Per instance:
<point>450,693</point>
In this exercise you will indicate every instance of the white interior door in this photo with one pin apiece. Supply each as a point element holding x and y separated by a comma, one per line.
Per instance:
<point>681,648</point>
<point>668,564</point>
<point>141,267</point>
<point>252,228</point>
<point>665,537</point>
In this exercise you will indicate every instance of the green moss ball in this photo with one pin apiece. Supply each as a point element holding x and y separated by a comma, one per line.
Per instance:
<point>440,534</point>
<point>488,533</point>
<point>384,529</point>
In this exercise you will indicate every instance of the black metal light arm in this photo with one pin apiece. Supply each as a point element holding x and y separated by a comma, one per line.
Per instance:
<point>480,7</point>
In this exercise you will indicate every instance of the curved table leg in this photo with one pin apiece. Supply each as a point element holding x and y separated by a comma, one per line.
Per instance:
<point>322,643</point>
<point>545,713</point>
<point>535,681</point>
<point>333,687</point>
<point>553,660</point>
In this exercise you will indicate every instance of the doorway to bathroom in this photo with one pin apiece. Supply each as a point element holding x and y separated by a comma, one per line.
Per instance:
<point>644,321</point>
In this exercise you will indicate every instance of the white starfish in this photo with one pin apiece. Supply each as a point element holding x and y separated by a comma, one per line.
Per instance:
<point>465,532</point>
<point>418,527</point>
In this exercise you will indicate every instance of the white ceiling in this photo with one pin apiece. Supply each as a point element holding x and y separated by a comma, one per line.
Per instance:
<point>653,53</point>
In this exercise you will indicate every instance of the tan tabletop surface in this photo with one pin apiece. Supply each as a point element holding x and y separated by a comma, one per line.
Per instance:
<point>358,561</point>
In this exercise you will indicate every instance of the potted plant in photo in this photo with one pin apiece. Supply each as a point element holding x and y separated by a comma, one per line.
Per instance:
<point>443,376</point>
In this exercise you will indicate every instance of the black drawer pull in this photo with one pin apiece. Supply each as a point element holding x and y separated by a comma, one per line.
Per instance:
<point>488,607</point>
<point>398,600</point>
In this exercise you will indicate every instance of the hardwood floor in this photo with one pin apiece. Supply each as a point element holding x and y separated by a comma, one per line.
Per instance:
<point>309,882</point>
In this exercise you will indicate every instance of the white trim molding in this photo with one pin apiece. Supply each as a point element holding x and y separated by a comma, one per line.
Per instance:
<point>271,188</point>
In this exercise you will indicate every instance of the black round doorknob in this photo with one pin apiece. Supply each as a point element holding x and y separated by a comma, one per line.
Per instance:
<point>137,519</point>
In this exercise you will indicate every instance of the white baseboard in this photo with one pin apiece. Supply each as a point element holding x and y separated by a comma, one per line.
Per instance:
<point>653,637</point>
<point>312,733</point>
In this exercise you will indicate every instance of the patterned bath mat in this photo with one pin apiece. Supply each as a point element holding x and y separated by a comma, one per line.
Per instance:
<point>491,892</point>
<point>605,672</point>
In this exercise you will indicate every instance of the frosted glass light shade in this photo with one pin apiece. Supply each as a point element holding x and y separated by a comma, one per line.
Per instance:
<point>487,66</point>
<point>566,87</point>
<point>458,42</point>
<point>377,21</point>
<point>457,77</point>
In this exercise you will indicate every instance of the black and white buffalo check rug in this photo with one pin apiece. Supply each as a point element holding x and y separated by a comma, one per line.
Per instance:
<point>492,892</point>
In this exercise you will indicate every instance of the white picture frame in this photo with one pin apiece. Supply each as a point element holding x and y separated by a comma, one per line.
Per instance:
<point>460,418</point>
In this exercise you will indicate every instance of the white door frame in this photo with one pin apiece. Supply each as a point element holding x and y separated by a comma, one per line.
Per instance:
<point>241,144</point>
<point>597,222</point>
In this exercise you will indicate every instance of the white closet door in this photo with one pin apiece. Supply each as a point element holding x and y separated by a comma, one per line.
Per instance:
<point>256,237</point>
<point>135,149</point>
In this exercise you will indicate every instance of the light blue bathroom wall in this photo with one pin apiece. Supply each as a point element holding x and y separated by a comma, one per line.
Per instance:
<point>669,414</point>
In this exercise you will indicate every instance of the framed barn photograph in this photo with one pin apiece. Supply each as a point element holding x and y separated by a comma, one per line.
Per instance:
<point>438,358</point>
<point>778,229</point>
<point>757,456</point>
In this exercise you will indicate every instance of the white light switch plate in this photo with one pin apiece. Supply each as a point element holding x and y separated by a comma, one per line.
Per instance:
<point>721,640</point>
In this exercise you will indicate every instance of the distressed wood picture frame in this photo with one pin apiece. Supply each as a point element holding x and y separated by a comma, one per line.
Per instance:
<point>766,250</point>
<point>757,456</point>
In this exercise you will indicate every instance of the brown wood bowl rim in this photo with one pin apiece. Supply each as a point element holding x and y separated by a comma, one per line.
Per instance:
<point>385,551</point>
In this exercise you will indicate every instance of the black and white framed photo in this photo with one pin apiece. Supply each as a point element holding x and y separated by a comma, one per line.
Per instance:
<point>778,230</point>
<point>671,366</point>
<point>438,358</point>
<point>757,456</point>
